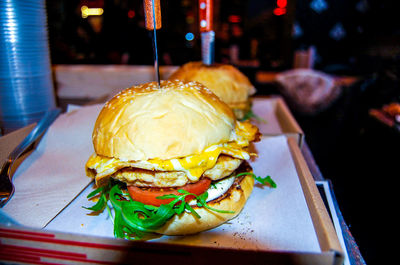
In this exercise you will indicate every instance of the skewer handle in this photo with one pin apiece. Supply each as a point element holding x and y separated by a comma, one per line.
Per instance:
<point>148,10</point>
<point>206,15</point>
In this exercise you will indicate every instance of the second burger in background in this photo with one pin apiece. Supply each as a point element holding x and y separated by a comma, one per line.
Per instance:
<point>226,81</point>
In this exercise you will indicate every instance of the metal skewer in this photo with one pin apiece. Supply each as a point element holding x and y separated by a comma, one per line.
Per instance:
<point>153,22</point>
<point>207,34</point>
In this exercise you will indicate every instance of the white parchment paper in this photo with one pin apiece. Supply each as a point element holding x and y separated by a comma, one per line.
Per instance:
<point>267,123</point>
<point>51,188</point>
<point>52,176</point>
<point>273,219</point>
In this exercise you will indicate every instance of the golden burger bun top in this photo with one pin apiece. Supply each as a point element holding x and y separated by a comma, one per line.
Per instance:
<point>226,81</point>
<point>146,122</point>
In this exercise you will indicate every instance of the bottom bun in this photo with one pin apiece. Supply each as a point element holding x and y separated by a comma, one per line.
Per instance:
<point>233,200</point>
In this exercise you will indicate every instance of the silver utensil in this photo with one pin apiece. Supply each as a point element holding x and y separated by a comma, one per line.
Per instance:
<point>6,186</point>
<point>207,47</point>
<point>155,50</point>
<point>152,11</point>
<point>206,8</point>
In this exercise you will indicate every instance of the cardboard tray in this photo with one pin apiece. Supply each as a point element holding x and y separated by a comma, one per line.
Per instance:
<point>20,244</point>
<point>275,118</point>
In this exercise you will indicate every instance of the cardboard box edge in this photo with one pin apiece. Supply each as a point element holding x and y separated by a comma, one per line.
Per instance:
<point>322,223</point>
<point>119,250</point>
<point>329,254</point>
<point>285,118</point>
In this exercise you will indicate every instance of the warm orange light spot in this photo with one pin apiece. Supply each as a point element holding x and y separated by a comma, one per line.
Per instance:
<point>86,11</point>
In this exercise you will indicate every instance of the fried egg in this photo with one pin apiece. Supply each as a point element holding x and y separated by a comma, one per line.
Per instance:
<point>216,161</point>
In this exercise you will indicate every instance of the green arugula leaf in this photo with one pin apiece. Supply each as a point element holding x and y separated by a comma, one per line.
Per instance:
<point>179,201</point>
<point>179,210</point>
<point>138,218</point>
<point>201,202</point>
<point>114,195</point>
<point>150,207</point>
<point>118,227</point>
<point>202,198</point>
<point>264,181</point>
<point>167,196</point>
<point>95,192</point>
<point>250,114</point>
<point>190,209</point>
<point>100,204</point>
<point>134,220</point>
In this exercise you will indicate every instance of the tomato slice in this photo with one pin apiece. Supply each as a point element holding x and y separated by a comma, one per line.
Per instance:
<point>149,196</point>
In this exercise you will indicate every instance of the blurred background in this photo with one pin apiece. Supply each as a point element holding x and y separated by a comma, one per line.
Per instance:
<point>349,37</point>
<point>354,39</point>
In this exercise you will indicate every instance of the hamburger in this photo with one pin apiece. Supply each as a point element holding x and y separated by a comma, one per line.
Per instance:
<point>226,81</point>
<point>170,160</point>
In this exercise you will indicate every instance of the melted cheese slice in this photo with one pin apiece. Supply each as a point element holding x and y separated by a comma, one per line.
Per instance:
<point>194,166</point>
